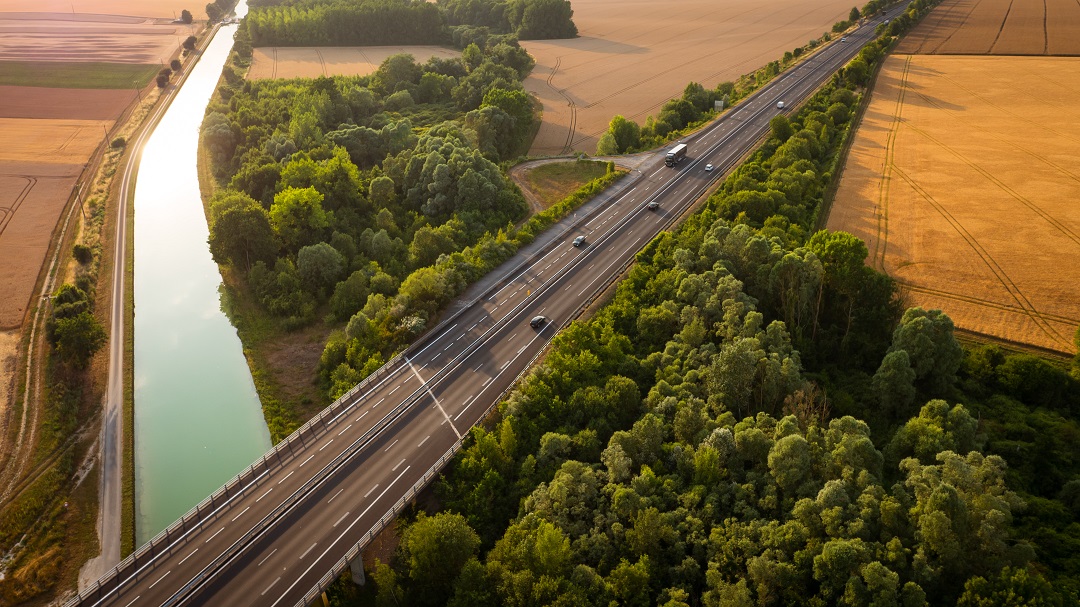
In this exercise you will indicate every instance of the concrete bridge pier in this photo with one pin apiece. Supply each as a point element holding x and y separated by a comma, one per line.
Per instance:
<point>357,567</point>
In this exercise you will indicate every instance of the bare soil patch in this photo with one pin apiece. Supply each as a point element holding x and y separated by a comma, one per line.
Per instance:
<point>633,55</point>
<point>962,180</point>
<point>81,104</point>
<point>999,27</point>
<point>60,38</point>
<point>312,61</point>
<point>33,196</point>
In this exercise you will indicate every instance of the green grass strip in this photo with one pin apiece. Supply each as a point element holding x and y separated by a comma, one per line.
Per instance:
<point>76,75</point>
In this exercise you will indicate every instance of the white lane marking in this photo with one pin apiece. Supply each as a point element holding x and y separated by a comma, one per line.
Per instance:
<point>308,550</point>
<point>347,529</point>
<point>215,534</point>
<point>450,345</point>
<point>266,557</point>
<point>434,357</point>
<point>278,579</point>
<point>395,389</point>
<point>432,394</point>
<point>188,556</point>
<point>309,458</point>
<point>133,601</point>
<point>291,471</point>
<point>370,490</point>
<point>451,328</point>
<point>398,465</point>
<point>362,416</point>
<point>160,578</point>
<point>423,441</point>
<point>234,519</point>
<point>473,327</point>
<point>512,337</point>
<point>504,365</point>
<point>391,445</point>
<point>324,446</point>
<point>477,369</point>
<point>487,381</point>
<point>379,403</point>
<point>339,521</point>
<point>264,495</point>
<point>343,431</point>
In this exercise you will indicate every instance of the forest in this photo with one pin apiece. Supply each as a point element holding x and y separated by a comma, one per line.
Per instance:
<point>401,22</point>
<point>755,419</point>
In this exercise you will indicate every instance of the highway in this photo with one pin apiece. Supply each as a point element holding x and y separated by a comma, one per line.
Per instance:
<point>271,536</point>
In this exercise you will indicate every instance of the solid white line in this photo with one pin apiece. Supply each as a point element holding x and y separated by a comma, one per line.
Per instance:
<point>328,548</point>
<point>391,445</point>
<point>370,490</point>
<point>189,556</point>
<point>399,465</point>
<point>432,394</point>
<point>339,521</point>
<point>309,550</point>
<point>325,446</point>
<point>423,441</point>
<point>160,578</point>
<point>234,520</point>
<point>308,459</point>
<point>291,471</point>
<point>215,535</point>
<point>343,431</point>
<point>264,495</point>
<point>266,557</point>
<point>270,586</point>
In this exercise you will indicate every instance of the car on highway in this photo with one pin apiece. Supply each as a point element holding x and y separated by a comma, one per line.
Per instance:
<point>537,321</point>
<point>652,206</point>
<point>708,168</point>
<point>844,39</point>
<point>580,240</point>
<point>779,105</point>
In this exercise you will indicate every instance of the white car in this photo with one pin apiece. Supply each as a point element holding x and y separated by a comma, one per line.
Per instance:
<point>708,168</point>
<point>779,105</point>
<point>844,39</point>
<point>580,240</point>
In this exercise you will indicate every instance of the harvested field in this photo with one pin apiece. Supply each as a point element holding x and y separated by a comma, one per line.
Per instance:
<point>160,9</point>
<point>58,38</point>
<point>33,196</point>
<point>49,141</point>
<point>963,182</point>
<point>999,27</point>
<point>83,104</point>
<point>633,55</point>
<point>312,61</point>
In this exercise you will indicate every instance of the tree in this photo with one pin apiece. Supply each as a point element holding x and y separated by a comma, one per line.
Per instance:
<point>297,217</point>
<point>894,383</point>
<point>934,353</point>
<point>627,133</point>
<point>436,549</point>
<point>606,146</point>
<point>854,15</point>
<point>240,232</point>
<point>319,266</point>
<point>546,19</point>
<point>163,77</point>
<point>189,42</point>
<point>214,12</point>
<point>185,16</point>
<point>78,338</point>
<point>175,65</point>
<point>781,128</point>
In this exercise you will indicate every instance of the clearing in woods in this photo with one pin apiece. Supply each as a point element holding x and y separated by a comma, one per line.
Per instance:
<point>963,183</point>
<point>999,27</point>
<point>315,61</point>
<point>633,55</point>
<point>550,183</point>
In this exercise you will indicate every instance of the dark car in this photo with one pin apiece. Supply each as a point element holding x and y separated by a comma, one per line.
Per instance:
<point>580,240</point>
<point>537,322</point>
<point>652,206</point>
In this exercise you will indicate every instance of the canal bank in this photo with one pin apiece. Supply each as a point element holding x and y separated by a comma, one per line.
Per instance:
<point>197,416</point>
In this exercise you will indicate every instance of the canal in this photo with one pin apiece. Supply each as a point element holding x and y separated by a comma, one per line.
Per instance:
<point>198,420</point>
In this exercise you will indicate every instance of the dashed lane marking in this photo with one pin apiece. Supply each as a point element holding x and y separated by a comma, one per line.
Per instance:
<point>266,557</point>
<point>321,448</point>
<point>264,495</point>
<point>234,519</point>
<point>215,535</point>
<point>160,578</point>
<point>291,471</point>
<point>391,445</point>
<point>423,441</point>
<point>309,458</point>
<point>339,520</point>
<point>189,555</point>
<point>370,490</point>
<point>271,586</point>
<point>312,547</point>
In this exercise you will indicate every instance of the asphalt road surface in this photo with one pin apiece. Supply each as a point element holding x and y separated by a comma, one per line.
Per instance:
<point>287,521</point>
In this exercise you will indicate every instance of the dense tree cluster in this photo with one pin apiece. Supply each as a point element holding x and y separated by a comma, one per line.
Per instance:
<point>382,22</point>
<point>738,426</point>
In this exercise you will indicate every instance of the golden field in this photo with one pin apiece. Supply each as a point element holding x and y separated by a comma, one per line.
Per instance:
<point>315,61</point>
<point>999,27</point>
<point>962,180</point>
<point>633,55</point>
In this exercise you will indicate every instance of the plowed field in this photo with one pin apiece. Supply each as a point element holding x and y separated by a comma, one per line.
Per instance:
<point>85,104</point>
<point>161,9</point>
<point>87,39</point>
<point>312,62</point>
<point>963,182</point>
<point>633,55</point>
<point>999,27</point>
